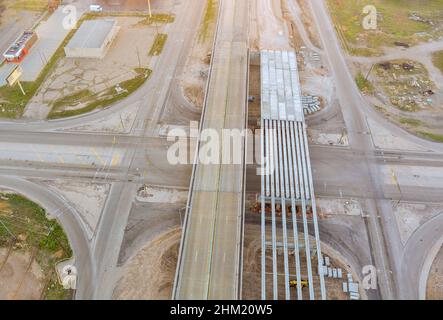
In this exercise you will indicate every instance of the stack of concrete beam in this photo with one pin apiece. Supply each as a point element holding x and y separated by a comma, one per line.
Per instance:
<point>311,104</point>
<point>352,288</point>
<point>287,178</point>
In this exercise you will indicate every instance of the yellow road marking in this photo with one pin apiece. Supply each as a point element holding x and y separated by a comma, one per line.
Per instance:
<point>115,159</point>
<point>98,156</point>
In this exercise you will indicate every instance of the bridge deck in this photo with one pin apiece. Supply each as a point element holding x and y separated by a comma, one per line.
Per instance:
<point>209,263</point>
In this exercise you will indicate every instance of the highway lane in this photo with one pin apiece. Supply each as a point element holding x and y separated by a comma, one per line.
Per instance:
<point>61,141</point>
<point>69,220</point>
<point>209,260</point>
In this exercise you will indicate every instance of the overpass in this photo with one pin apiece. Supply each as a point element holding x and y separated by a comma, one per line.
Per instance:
<point>286,182</point>
<point>209,263</point>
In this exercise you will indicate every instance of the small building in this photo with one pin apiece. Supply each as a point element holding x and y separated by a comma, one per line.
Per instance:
<point>20,48</point>
<point>92,39</point>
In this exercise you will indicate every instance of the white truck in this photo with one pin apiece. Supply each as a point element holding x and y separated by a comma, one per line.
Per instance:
<point>95,8</point>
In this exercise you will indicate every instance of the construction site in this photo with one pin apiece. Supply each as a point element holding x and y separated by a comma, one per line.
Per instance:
<point>287,257</point>
<point>126,140</point>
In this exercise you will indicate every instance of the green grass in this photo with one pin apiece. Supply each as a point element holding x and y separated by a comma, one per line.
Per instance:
<point>411,122</point>
<point>109,98</point>
<point>159,43</point>
<point>24,226</point>
<point>157,18</point>
<point>32,5</point>
<point>208,19</point>
<point>437,58</point>
<point>73,99</point>
<point>363,84</point>
<point>395,24</point>
<point>431,136</point>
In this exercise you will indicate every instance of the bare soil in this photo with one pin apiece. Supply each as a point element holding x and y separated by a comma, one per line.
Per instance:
<point>150,273</point>
<point>21,278</point>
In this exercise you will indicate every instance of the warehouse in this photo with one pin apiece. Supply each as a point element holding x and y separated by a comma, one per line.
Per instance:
<point>92,39</point>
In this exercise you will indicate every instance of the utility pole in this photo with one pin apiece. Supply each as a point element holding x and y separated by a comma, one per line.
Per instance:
<point>149,8</point>
<point>150,15</point>
<point>21,87</point>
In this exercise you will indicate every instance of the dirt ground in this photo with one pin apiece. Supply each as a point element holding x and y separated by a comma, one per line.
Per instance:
<point>21,278</point>
<point>307,21</point>
<point>410,216</point>
<point>252,273</point>
<point>195,75</point>
<point>72,75</point>
<point>435,279</point>
<point>150,273</point>
<point>268,28</point>
<point>252,255</point>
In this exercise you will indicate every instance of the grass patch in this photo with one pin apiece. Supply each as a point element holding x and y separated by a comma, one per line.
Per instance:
<point>101,101</point>
<point>208,20</point>
<point>158,44</point>
<point>12,101</point>
<point>364,84</point>
<point>24,226</point>
<point>157,18</point>
<point>431,136</point>
<point>411,122</point>
<point>31,5</point>
<point>394,23</point>
<point>73,99</point>
<point>437,58</point>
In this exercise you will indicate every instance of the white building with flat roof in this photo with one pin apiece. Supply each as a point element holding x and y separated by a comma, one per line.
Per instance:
<point>92,39</point>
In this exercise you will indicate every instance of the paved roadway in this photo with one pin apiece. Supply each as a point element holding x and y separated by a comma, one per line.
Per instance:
<point>209,261</point>
<point>383,232</point>
<point>419,254</point>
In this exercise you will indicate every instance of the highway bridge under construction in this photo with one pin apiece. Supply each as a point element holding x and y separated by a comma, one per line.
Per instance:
<point>286,180</point>
<point>209,263</point>
<point>210,258</point>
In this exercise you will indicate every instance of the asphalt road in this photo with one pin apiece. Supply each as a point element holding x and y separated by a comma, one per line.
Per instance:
<point>209,261</point>
<point>339,172</point>
<point>155,97</point>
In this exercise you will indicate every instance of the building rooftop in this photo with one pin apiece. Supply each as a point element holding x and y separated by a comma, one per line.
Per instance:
<point>91,34</point>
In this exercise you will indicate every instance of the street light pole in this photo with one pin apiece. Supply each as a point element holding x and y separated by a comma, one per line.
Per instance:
<point>150,16</point>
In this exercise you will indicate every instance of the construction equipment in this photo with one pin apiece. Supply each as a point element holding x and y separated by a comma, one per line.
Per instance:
<point>303,283</point>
